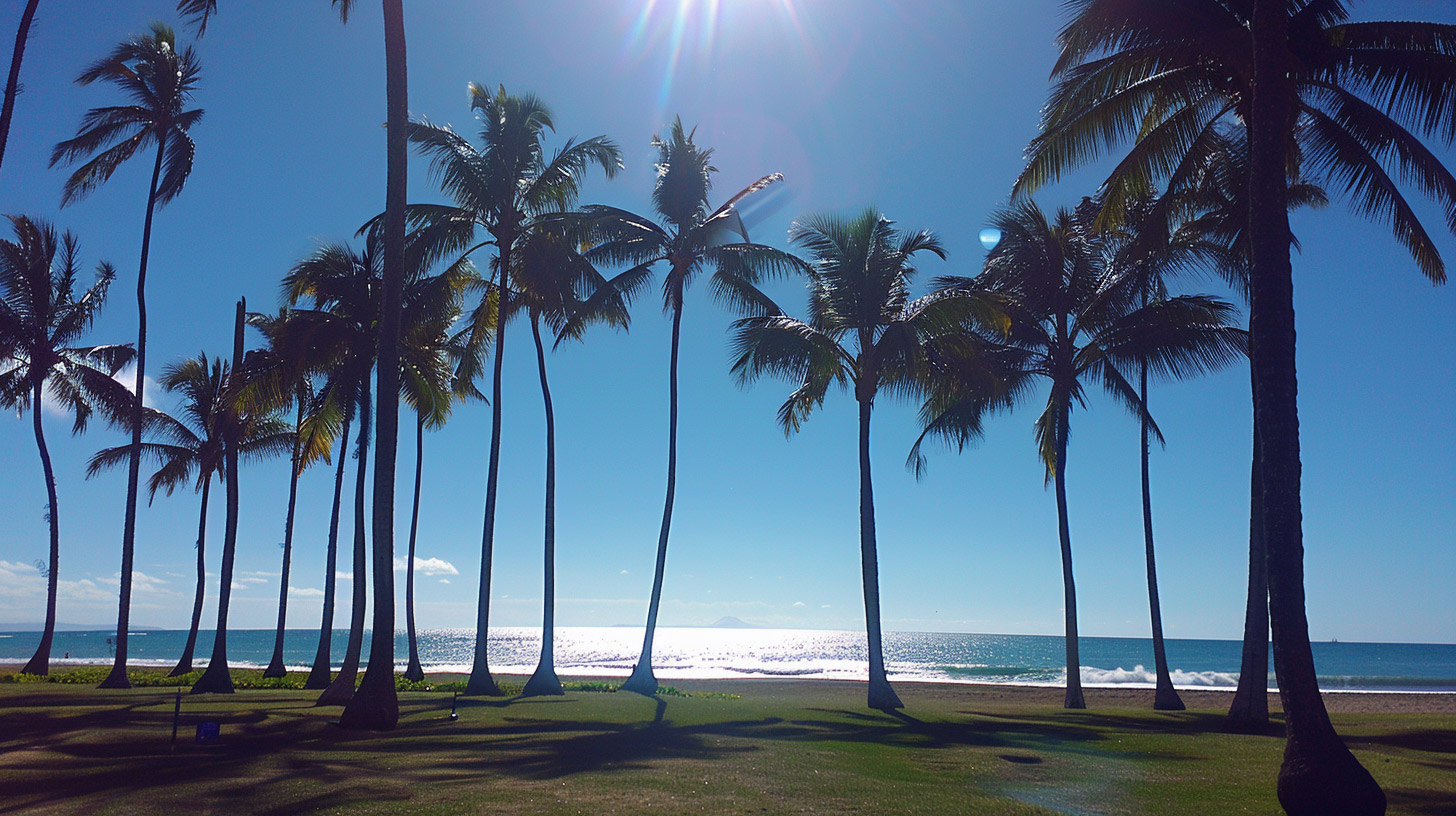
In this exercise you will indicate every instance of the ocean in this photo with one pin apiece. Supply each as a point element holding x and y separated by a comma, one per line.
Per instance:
<point>707,653</point>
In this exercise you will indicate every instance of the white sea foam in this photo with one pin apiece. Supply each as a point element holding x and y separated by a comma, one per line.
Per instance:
<point>1140,676</point>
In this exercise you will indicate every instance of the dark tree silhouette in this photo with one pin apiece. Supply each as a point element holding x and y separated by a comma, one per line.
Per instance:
<point>688,239</point>
<point>160,81</point>
<point>498,189</point>
<point>12,82</point>
<point>41,321</point>
<point>1067,319</point>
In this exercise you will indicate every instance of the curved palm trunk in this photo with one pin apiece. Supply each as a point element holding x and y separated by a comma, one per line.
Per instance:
<point>321,675</point>
<point>1069,588</point>
<point>376,706</point>
<point>12,83</point>
<point>1165,697</point>
<point>275,665</point>
<point>643,681</point>
<point>480,682</point>
<point>342,688</point>
<point>414,672</point>
<point>881,695</point>
<point>40,662</point>
<point>184,665</point>
<point>1249,711</point>
<point>217,679</point>
<point>544,680</point>
<point>1319,774</point>
<point>117,678</point>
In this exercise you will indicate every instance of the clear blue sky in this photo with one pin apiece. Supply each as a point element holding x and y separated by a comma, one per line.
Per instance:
<point>921,109</point>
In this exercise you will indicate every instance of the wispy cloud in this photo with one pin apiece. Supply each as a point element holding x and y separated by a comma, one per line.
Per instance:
<point>428,566</point>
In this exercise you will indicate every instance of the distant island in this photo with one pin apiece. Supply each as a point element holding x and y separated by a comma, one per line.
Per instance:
<point>730,622</point>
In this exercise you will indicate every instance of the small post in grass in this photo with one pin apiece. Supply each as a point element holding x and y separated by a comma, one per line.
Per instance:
<point>176,717</point>
<point>453,699</point>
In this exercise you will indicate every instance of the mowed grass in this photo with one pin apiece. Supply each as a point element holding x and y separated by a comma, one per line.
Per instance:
<point>791,747</point>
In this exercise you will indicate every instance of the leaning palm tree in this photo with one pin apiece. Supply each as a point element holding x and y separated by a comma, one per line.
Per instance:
<point>865,333</point>
<point>498,189</point>
<point>160,81</point>
<point>12,82</point>
<point>688,238</point>
<point>41,320</point>
<point>1070,319</point>
<point>191,448</point>
<point>1345,103</point>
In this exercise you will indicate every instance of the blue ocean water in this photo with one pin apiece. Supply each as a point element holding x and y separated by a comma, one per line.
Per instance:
<point>714,653</point>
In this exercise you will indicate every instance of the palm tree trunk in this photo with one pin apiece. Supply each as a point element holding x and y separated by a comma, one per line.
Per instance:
<point>1249,712</point>
<point>1069,588</point>
<point>643,681</point>
<point>480,682</point>
<point>881,695</point>
<point>1165,697</point>
<point>341,690</point>
<point>414,672</point>
<point>275,666</point>
<point>184,665</point>
<point>321,674</point>
<point>12,84</point>
<point>544,680</point>
<point>117,678</point>
<point>40,662</point>
<point>1319,774</point>
<point>217,679</point>
<point>376,706</point>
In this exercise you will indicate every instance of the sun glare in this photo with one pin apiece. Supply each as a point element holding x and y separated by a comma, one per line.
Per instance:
<point>695,27</point>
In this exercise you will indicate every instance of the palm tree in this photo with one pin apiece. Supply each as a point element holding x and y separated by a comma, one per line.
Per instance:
<point>1070,319</point>
<point>277,378</point>
<point>160,81</point>
<point>429,388</point>
<point>340,333</point>
<point>689,238</point>
<point>1351,99</point>
<point>192,449</point>
<point>498,189</point>
<point>41,319</point>
<point>551,282</point>
<point>12,82</point>
<point>863,332</point>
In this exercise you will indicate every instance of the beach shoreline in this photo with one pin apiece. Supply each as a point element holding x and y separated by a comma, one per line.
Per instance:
<point>942,692</point>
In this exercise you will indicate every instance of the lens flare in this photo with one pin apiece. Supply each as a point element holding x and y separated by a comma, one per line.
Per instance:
<point>990,237</point>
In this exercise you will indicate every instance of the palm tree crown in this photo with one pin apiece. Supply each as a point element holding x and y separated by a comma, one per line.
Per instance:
<point>160,81</point>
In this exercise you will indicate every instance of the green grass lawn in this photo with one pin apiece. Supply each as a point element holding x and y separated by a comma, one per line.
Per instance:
<point>790,747</point>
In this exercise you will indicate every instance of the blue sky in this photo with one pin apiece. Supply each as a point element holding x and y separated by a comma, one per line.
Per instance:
<point>921,110</point>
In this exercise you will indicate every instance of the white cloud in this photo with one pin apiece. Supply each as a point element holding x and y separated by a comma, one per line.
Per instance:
<point>343,576</point>
<point>141,583</point>
<point>624,572</point>
<point>428,566</point>
<point>305,592</point>
<point>444,580</point>
<point>150,394</point>
<point>252,580</point>
<point>798,603</point>
<point>826,606</point>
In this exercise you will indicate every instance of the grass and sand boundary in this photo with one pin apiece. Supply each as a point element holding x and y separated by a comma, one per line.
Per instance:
<point>715,746</point>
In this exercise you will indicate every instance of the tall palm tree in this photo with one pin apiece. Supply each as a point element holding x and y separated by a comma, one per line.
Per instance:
<point>430,389</point>
<point>552,283</point>
<point>12,82</point>
<point>41,320</point>
<point>192,449</point>
<point>689,238</point>
<point>277,378</point>
<point>498,189</point>
<point>1351,99</point>
<point>341,333</point>
<point>160,81</point>
<point>864,332</point>
<point>1070,319</point>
